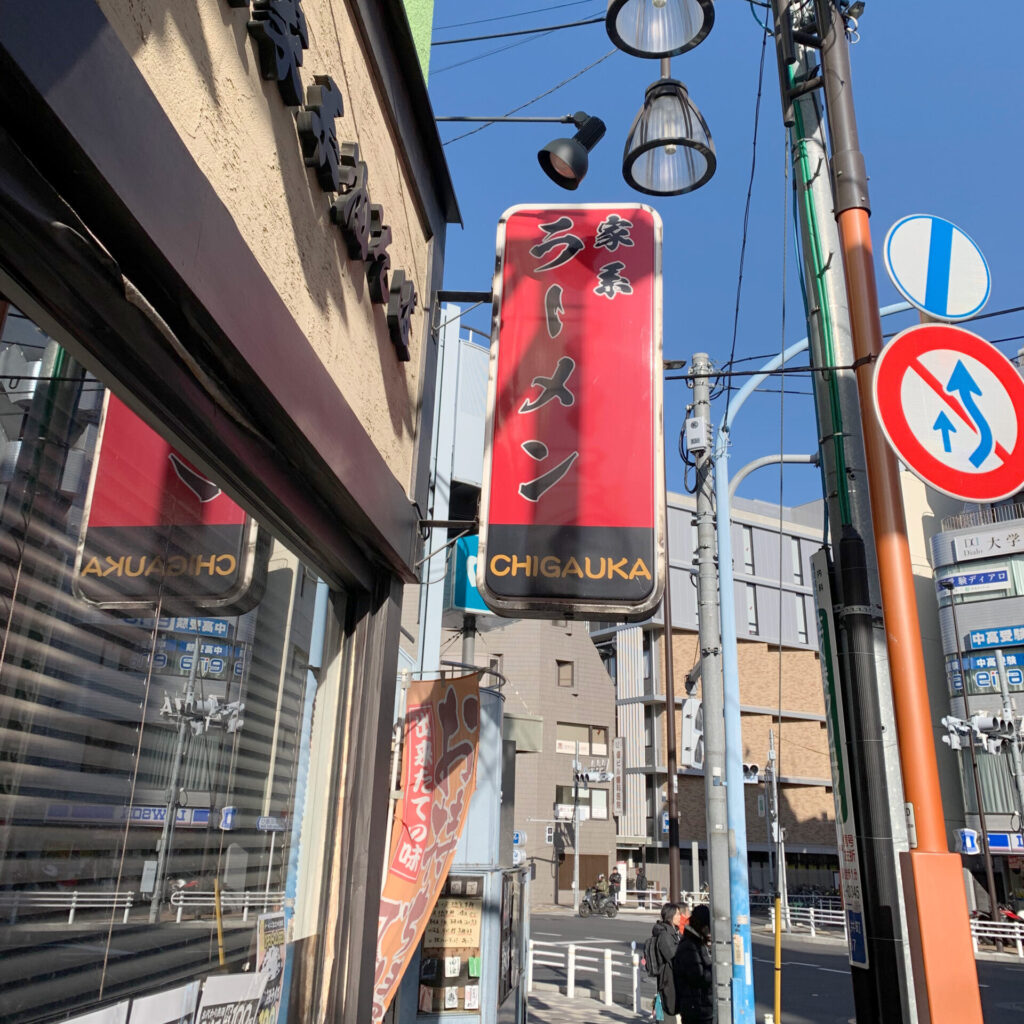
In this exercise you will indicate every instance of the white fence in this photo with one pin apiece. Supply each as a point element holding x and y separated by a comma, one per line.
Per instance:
<point>73,901</point>
<point>810,917</point>
<point>1012,934</point>
<point>245,901</point>
<point>575,960</point>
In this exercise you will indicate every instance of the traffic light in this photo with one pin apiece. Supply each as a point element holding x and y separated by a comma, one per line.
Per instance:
<point>691,735</point>
<point>958,733</point>
<point>751,773</point>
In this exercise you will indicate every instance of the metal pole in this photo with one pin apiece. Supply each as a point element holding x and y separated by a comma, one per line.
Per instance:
<point>576,830</point>
<point>990,878</point>
<point>1015,756</point>
<point>163,851</point>
<point>675,881</point>
<point>940,936</point>
<point>468,639</point>
<point>270,868</point>
<point>739,885</point>
<point>713,697</point>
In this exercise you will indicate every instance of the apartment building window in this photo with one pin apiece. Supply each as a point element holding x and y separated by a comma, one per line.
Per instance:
<point>592,739</point>
<point>494,662</point>
<point>751,609</point>
<point>593,803</point>
<point>566,674</point>
<point>748,549</point>
<point>798,564</point>
<point>801,618</point>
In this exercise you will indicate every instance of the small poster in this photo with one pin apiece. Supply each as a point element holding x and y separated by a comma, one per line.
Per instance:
<point>426,1000</point>
<point>177,1006</point>
<point>270,954</point>
<point>231,998</point>
<point>428,968</point>
<point>452,966</point>
<point>455,887</point>
<point>474,967</point>
<point>472,887</point>
<point>472,997</point>
<point>455,923</point>
<point>451,997</point>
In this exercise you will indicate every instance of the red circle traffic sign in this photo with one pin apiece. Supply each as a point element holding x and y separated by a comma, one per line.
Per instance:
<point>951,407</point>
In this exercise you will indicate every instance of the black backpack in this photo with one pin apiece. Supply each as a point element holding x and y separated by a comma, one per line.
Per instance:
<point>652,961</point>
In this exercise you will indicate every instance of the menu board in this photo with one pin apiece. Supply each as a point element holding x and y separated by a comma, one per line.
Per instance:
<point>450,962</point>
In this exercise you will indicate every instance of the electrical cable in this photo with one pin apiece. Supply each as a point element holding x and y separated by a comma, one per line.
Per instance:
<point>746,214</point>
<point>507,17</point>
<point>481,56</point>
<point>548,92</point>
<point>519,32</point>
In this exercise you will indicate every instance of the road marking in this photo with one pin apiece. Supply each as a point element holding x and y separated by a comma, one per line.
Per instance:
<point>800,963</point>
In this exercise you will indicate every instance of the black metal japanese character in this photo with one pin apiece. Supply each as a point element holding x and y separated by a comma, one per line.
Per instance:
<point>317,131</point>
<point>554,238</point>
<point>279,29</point>
<point>401,303</point>
<point>612,282</point>
<point>534,490</point>
<point>552,387</point>
<point>612,232</point>
<point>351,210</point>
<point>378,262</point>
<point>552,310</point>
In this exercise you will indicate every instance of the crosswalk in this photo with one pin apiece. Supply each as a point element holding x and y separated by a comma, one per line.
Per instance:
<point>554,1008</point>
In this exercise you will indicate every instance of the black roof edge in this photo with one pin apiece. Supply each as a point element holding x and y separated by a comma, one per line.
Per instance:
<point>388,35</point>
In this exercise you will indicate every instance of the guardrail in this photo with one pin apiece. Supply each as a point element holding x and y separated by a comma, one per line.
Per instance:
<point>576,960</point>
<point>1011,934</point>
<point>72,902</point>
<point>245,901</point>
<point>643,898</point>
<point>810,917</point>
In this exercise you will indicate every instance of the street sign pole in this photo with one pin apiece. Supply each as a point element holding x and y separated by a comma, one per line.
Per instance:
<point>946,979</point>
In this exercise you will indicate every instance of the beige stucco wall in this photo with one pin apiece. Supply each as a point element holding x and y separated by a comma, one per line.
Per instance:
<point>202,66</point>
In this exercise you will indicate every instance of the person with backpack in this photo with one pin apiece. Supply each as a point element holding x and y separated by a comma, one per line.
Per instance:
<point>693,974</point>
<point>660,954</point>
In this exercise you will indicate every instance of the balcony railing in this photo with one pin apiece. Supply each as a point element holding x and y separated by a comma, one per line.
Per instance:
<point>984,516</point>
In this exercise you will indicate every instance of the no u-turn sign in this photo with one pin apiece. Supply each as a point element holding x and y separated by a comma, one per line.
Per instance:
<point>951,406</point>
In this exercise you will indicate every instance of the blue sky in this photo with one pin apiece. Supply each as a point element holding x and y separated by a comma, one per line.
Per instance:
<point>937,88</point>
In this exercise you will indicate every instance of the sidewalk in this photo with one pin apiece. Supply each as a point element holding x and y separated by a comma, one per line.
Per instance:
<point>553,1008</point>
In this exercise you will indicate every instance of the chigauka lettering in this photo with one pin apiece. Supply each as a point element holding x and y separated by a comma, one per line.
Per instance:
<point>155,565</point>
<point>603,567</point>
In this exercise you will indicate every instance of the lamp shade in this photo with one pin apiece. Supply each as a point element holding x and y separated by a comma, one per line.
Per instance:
<point>658,28</point>
<point>669,149</point>
<point>565,161</point>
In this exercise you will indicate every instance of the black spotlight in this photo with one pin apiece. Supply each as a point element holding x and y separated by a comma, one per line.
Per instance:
<point>565,161</point>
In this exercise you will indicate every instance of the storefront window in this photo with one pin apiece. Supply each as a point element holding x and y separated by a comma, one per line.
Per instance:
<point>161,732</point>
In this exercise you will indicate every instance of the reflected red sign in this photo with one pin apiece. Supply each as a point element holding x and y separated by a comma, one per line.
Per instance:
<point>572,512</point>
<point>157,528</point>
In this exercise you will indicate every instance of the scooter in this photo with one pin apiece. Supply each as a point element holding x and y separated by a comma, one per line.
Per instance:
<point>595,902</point>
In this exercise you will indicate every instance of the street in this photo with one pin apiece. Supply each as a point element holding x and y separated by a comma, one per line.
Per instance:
<point>815,986</point>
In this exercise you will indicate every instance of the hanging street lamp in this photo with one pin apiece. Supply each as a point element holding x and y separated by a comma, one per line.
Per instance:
<point>658,28</point>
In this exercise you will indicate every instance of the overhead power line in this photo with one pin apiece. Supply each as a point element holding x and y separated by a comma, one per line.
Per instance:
<point>518,32</point>
<point>507,17</point>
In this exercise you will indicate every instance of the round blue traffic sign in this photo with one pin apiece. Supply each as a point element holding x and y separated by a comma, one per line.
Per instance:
<point>937,267</point>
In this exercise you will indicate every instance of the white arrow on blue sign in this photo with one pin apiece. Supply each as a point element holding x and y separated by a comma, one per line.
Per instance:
<point>968,840</point>
<point>518,838</point>
<point>937,267</point>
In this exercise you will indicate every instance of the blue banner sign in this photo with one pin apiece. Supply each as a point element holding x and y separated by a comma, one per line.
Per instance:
<point>981,638</point>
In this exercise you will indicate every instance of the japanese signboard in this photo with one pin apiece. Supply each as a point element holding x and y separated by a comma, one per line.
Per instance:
<point>1000,636</point>
<point>572,510</point>
<point>995,578</point>
<point>993,542</point>
<point>846,826</point>
<point>157,529</point>
<point>438,777</point>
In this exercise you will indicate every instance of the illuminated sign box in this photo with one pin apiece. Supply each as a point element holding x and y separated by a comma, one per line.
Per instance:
<point>572,509</point>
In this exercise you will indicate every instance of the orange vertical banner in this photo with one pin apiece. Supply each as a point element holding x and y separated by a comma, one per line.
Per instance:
<point>439,757</point>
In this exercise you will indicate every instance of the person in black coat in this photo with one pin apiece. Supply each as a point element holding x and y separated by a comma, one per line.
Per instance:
<point>666,935</point>
<point>693,969</point>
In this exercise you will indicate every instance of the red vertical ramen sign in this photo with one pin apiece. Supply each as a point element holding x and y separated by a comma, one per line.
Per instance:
<point>572,513</point>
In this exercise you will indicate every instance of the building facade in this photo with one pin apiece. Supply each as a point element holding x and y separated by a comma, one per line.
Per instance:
<point>221,228</point>
<point>780,691</point>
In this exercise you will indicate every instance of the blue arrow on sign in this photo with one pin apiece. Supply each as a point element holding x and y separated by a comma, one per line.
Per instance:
<point>945,424</point>
<point>961,382</point>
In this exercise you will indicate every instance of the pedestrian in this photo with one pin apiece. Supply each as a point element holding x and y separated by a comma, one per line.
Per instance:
<point>615,881</point>
<point>641,887</point>
<point>666,944</point>
<point>693,969</point>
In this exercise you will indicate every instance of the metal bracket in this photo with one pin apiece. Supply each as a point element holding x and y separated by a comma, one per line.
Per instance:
<point>445,295</point>
<point>449,524</point>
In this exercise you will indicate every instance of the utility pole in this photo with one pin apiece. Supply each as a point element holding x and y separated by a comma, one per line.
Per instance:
<point>675,882</point>
<point>863,696</point>
<point>1010,715</point>
<point>939,934</point>
<point>699,443</point>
